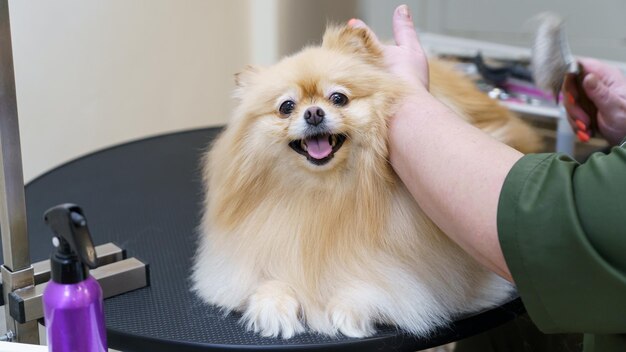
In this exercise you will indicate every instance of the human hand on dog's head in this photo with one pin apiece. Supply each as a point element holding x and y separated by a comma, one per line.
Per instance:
<point>406,59</point>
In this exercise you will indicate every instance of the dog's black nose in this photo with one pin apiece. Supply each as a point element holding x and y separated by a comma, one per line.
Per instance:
<point>314,115</point>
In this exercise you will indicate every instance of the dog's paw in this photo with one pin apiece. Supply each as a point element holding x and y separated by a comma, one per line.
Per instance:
<point>350,320</point>
<point>273,311</point>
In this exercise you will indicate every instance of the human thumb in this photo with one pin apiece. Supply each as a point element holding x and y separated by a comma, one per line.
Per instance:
<point>403,28</point>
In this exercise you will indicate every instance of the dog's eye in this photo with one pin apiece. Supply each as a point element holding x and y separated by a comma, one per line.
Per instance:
<point>287,107</point>
<point>339,99</point>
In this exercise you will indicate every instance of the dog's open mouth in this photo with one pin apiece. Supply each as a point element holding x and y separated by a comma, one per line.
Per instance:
<point>319,149</point>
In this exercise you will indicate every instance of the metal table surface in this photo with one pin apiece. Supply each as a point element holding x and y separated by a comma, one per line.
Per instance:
<point>145,196</point>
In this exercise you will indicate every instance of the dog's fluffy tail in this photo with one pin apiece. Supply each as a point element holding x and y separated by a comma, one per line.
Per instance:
<point>461,95</point>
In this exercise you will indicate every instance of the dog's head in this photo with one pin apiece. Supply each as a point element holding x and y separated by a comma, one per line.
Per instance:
<point>324,108</point>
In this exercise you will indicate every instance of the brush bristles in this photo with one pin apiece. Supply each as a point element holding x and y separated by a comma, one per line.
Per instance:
<point>547,62</point>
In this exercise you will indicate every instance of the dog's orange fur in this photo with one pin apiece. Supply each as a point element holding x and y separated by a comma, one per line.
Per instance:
<point>341,246</point>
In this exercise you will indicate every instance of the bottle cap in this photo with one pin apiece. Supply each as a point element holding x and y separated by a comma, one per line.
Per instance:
<point>75,252</point>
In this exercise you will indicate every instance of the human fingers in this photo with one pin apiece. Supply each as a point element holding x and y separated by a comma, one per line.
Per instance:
<point>606,100</point>
<point>611,104</point>
<point>578,120</point>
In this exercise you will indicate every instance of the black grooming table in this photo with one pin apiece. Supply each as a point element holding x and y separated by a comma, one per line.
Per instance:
<point>145,196</point>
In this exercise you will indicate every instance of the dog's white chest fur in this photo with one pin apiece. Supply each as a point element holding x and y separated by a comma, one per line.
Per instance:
<point>291,264</point>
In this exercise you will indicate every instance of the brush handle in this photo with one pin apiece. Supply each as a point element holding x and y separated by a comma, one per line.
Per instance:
<point>573,86</point>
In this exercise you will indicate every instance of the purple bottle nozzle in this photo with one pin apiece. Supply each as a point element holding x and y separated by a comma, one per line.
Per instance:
<point>75,252</point>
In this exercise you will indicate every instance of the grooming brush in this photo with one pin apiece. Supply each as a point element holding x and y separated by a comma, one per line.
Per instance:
<point>555,69</point>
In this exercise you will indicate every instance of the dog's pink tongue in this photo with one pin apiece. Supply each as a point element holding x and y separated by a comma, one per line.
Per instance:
<point>318,147</point>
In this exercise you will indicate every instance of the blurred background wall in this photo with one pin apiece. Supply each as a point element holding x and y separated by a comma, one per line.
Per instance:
<point>91,74</point>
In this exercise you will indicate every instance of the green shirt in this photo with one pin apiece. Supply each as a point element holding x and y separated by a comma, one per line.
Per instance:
<point>562,228</point>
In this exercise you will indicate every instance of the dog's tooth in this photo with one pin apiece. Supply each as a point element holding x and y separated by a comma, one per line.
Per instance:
<point>303,145</point>
<point>333,140</point>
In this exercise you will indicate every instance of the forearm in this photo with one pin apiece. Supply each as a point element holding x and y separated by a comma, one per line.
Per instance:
<point>456,177</point>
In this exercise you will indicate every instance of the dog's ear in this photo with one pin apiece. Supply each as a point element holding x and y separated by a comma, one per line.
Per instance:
<point>245,77</point>
<point>351,40</point>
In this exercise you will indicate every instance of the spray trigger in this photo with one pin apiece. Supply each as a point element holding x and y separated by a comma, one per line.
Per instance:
<point>69,225</point>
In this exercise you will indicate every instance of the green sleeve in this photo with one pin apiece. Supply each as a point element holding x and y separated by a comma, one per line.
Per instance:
<point>562,228</point>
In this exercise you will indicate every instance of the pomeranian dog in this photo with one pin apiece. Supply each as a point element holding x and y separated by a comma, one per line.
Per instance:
<point>305,221</point>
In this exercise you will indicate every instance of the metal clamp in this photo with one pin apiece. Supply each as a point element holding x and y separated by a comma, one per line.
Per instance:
<point>116,274</point>
<point>116,278</point>
<point>106,253</point>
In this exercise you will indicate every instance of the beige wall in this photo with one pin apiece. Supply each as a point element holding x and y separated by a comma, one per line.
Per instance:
<point>90,74</point>
<point>302,22</point>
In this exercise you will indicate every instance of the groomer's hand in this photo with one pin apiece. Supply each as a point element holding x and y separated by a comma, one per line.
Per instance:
<point>606,87</point>
<point>406,59</point>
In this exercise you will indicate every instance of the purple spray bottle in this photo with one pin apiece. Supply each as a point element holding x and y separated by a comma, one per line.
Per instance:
<point>72,300</point>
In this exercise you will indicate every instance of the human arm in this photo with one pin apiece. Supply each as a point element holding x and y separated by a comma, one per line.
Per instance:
<point>452,169</point>
<point>560,224</point>
<point>456,177</point>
